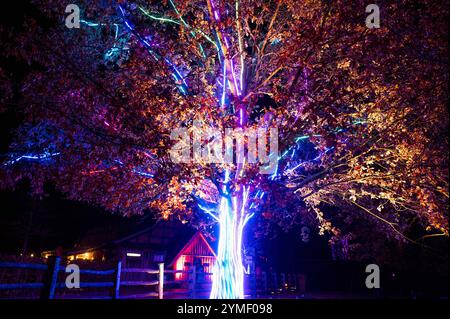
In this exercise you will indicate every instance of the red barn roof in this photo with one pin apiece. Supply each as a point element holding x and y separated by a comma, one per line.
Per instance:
<point>197,246</point>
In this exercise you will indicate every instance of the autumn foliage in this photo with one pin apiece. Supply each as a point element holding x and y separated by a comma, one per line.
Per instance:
<point>361,113</point>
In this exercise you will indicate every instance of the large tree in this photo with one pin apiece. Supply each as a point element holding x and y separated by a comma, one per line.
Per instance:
<point>361,113</point>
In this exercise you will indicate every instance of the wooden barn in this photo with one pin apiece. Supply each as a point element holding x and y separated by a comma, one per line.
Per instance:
<point>196,253</point>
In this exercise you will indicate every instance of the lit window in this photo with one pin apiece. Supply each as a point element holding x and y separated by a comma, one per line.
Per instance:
<point>133,255</point>
<point>85,256</point>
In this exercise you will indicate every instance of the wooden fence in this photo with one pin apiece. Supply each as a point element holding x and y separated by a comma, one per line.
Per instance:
<point>114,282</point>
<point>163,282</point>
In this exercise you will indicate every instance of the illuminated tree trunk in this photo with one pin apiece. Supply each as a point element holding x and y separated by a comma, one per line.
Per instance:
<point>228,277</point>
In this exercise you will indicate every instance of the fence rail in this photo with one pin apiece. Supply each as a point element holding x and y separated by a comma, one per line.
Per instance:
<point>262,283</point>
<point>52,268</point>
<point>141,270</point>
<point>23,265</point>
<point>24,285</point>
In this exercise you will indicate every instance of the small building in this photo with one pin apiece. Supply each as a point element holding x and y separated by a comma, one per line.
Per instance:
<point>196,253</point>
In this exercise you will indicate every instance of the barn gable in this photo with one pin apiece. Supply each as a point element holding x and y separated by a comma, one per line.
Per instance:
<point>196,253</point>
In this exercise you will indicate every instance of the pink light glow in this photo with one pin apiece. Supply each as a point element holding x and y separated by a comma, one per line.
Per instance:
<point>180,266</point>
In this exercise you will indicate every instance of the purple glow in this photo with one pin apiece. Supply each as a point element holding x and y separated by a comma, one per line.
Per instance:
<point>216,14</point>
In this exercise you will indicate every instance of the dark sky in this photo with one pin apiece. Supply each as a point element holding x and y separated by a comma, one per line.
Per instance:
<point>39,224</point>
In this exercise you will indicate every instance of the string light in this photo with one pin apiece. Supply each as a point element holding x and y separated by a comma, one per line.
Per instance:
<point>38,157</point>
<point>179,79</point>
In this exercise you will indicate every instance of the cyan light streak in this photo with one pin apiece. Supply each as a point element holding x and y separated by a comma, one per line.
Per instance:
<point>179,79</point>
<point>32,157</point>
<point>178,74</point>
<point>45,156</point>
<point>169,20</point>
<point>208,211</point>
<point>162,19</point>
<point>143,173</point>
<point>186,25</point>
<point>227,176</point>
<point>293,153</point>
<point>301,138</point>
<point>94,25</point>
<point>275,41</point>
<point>272,177</point>
<point>115,49</point>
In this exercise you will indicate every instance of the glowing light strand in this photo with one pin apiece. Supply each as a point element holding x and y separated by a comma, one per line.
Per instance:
<point>32,157</point>
<point>228,273</point>
<point>46,156</point>
<point>179,79</point>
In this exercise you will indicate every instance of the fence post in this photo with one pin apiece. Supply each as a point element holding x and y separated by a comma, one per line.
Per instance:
<point>51,278</point>
<point>161,281</point>
<point>193,282</point>
<point>116,288</point>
